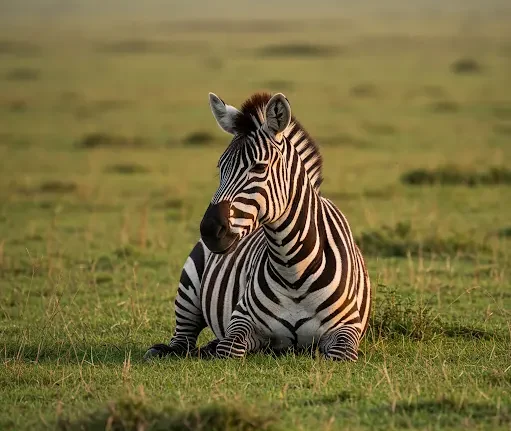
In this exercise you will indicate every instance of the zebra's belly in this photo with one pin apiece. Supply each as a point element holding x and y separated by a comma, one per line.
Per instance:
<point>294,324</point>
<point>306,335</point>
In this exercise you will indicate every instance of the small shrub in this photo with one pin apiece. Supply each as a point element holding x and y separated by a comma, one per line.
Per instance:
<point>103,278</point>
<point>199,138</point>
<point>18,105</point>
<point>381,129</point>
<point>57,187</point>
<point>504,232</point>
<point>173,204</point>
<point>143,46</point>
<point>364,90</point>
<point>502,111</point>
<point>18,48</point>
<point>298,50</point>
<point>466,66</point>
<point>127,169</point>
<point>399,241</point>
<point>394,316</point>
<point>104,140</point>
<point>128,251</point>
<point>136,46</point>
<point>502,129</point>
<point>103,264</point>
<point>238,26</point>
<point>444,107</point>
<point>23,74</point>
<point>454,176</point>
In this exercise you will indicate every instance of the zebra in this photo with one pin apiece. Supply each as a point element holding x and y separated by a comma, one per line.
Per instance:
<point>276,265</point>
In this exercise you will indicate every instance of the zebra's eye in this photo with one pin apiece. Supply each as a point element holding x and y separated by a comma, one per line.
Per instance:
<point>259,168</point>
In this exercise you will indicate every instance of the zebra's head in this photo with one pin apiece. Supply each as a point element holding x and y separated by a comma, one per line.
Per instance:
<point>254,176</point>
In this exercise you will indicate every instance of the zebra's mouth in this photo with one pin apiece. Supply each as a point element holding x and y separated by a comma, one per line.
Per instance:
<point>225,246</point>
<point>215,229</point>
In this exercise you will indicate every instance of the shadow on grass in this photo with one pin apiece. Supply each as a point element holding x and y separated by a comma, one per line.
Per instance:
<point>61,350</point>
<point>135,414</point>
<point>444,412</point>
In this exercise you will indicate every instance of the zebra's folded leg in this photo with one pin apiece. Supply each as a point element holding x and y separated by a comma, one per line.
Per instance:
<point>341,344</point>
<point>189,318</point>
<point>207,351</point>
<point>179,347</point>
<point>241,338</point>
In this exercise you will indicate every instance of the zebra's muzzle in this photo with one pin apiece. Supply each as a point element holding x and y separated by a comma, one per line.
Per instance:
<point>215,230</point>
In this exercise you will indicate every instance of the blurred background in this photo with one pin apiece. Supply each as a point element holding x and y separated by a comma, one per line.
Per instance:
<point>107,101</point>
<point>104,112</point>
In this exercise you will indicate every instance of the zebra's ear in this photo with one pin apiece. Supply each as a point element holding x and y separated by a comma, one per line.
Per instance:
<point>278,114</point>
<point>224,114</point>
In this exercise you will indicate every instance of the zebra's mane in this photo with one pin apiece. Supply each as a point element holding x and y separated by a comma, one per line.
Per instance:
<point>251,117</point>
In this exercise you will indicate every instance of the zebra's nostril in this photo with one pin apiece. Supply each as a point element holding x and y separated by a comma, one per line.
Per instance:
<point>221,232</point>
<point>211,228</point>
<point>208,227</point>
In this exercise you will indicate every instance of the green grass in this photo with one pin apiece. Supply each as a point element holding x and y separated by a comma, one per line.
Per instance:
<point>107,163</point>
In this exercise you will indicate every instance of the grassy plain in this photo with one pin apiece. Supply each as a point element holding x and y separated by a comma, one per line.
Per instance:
<point>107,162</point>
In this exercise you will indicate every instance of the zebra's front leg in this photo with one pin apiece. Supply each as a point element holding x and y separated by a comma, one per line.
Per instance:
<point>189,318</point>
<point>241,338</point>
<point>341,344</point>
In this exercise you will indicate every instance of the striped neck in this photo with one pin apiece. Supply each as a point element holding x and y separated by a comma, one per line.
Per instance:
<point>295,240</point>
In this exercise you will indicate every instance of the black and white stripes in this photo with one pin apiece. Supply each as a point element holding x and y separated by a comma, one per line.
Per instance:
<point>276,265</point>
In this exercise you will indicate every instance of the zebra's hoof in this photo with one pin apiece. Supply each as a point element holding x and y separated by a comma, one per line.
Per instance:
<point>157,351</point>
<point>150,354</point>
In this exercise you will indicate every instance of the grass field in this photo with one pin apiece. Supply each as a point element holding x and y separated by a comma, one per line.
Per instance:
<point>107,163</point>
